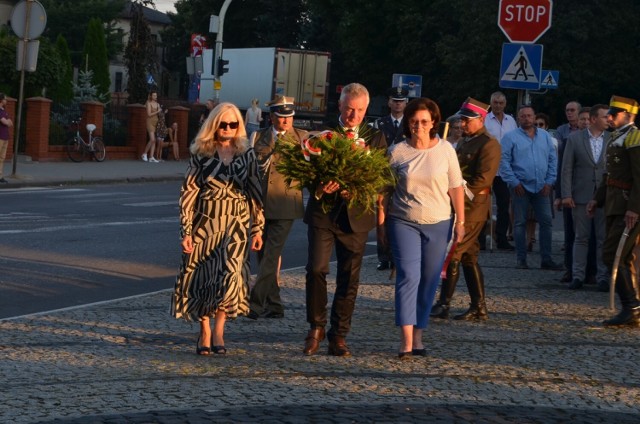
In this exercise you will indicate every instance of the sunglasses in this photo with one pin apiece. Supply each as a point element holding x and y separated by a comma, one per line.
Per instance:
<point>540,124</point>
<point>233,125</point>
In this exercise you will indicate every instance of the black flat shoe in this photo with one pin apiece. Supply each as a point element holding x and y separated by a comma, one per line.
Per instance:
<point>202,350</point>
<point>419,352</point>
<point>219,350</point>
<point>405,355</point>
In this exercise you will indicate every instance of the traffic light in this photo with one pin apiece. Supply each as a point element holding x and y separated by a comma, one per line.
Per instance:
<point>221,66</point>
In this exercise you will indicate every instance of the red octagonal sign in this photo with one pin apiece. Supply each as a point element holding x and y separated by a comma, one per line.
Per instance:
<point>524,21</point>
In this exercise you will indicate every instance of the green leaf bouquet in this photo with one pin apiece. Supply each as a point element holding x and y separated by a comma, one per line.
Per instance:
<point>332,156</point>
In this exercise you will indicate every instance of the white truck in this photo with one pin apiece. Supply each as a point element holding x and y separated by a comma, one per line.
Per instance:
<point>265,72</point>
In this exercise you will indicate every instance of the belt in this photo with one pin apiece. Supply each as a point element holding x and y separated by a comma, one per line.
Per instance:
<point>618,184</point>
<point>484,191</point>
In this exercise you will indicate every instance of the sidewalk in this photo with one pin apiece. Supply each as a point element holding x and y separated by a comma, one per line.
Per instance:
<point>543,357</point>
<point>90,172</point>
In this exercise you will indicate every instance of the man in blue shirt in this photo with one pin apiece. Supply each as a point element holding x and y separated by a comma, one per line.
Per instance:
<point>529,166</point>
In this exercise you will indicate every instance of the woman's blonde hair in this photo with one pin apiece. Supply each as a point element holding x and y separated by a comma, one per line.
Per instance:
<point>254,102</point>
<point>205,142</point>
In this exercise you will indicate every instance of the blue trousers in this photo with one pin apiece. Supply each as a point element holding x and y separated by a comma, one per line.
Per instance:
<point>542,211</point>
<point>418,252</point>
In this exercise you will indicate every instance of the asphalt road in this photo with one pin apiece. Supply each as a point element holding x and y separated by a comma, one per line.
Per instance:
<point>69,246</point>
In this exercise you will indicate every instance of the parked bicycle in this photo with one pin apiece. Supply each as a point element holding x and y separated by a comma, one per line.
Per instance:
<point>77,148</point>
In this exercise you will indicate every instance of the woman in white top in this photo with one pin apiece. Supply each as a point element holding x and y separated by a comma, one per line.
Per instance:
<point>252,118</point>
<point>418,218</point>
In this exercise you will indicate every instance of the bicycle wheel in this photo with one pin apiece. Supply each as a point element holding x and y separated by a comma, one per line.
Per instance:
<point>75,150</point>
<point>99,151</point>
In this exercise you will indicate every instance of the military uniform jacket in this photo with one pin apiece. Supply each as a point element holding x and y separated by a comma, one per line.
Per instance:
<point>393,136</point>
<point>280,201</point>
<point>358,221</point>
<point>479,158</point>
<point>620,189</point>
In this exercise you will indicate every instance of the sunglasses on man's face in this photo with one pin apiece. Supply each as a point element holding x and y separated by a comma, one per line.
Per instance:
<point>233,125</point>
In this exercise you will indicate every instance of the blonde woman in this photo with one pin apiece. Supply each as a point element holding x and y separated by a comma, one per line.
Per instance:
<point>153,110</point>
<point>253,117</point>
<point>221,216</point>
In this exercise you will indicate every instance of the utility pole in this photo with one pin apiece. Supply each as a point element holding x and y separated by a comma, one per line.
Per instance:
<point>218,51</point>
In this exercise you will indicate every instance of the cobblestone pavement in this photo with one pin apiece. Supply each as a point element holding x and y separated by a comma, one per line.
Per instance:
<point>542,357</point>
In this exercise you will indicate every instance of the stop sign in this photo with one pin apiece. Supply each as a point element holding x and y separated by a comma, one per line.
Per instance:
<point>524,21</point>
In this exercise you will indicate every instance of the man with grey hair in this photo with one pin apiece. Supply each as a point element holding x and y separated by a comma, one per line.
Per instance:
<point>498,124</point>
<point>347,228</point>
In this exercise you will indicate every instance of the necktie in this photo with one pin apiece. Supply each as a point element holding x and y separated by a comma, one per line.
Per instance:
<point>396,124</point>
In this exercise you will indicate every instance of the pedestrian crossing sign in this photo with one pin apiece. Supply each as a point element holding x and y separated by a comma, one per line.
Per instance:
<point>550,79</point>
<point>521,66</point>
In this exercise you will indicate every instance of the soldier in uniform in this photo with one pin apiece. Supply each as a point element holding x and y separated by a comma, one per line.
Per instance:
<point>619,193</point>
<point>282,205</point>
<point>391,127</point>
<point>479,157</point>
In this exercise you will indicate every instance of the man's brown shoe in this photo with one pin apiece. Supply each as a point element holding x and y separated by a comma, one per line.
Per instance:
<point>338,347</point>
<point>312,342</point>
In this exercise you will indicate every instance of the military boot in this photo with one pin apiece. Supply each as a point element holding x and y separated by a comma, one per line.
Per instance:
<point>441,308</point>
<point>475,284</point>
<point>630,314</point>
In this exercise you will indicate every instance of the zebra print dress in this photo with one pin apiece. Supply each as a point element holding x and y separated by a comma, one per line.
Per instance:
<point>222,207</point>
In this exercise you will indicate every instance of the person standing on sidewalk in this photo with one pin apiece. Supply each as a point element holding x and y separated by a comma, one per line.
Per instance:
<point>282,205</point>
<point>347,228</point>
<point>5,124</point>
<point>572,112</point>
<point>498,124</point>
<point>529,165</point>
<point>619,194</point>
<point>220,219</point>
<point>153,110</point>
<point>479,157</point>
<point>391,126</point>
<point>583,166</point>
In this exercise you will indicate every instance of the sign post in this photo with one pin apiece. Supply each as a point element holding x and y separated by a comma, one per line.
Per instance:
<point>523,22</point>
<point>28,20</point>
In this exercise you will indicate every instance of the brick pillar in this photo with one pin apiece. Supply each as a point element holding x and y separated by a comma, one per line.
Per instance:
<point>37,128</point>
<point>137,129</point>
<point>11,110</point>
<point>180,115</point>
<point>92,113</point>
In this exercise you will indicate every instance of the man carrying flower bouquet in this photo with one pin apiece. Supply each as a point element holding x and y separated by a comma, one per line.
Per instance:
<point>346,227</point>
<point>282,205</point>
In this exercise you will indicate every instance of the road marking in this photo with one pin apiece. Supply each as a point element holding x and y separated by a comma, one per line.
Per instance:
<point>151,204</point>
<point>75,227</point>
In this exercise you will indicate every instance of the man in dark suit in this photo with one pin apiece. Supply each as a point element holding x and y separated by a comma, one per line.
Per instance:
<point>583,166</point>
<point>345,227</point>
<point>282,206</point>
<point>391,127</point>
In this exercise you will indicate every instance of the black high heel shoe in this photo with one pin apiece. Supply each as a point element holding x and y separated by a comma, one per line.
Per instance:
<point>218,350</point>
<point>202,350</point>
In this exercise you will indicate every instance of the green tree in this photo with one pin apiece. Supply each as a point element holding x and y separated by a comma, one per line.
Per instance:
<point>63,92</point>
<point>139,56</point>
<point>38,83</point>
<point>71,18</point>
<point>95,54</point>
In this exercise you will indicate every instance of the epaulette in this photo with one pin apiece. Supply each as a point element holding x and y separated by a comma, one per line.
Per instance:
<point>632,139</point>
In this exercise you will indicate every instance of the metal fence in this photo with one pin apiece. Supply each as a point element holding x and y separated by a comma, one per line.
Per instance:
<point>114,130</point>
